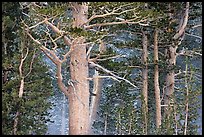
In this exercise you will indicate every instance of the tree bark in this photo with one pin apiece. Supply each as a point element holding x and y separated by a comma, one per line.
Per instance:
<point>172,62</point>
<point>187,98</point>
<point>156,81</point>
<point>79,92</point>
<point>21,89</point>
<point>79,122</point>
<point>98,82</point>
<point>63,116</point>
<point>145,79</point>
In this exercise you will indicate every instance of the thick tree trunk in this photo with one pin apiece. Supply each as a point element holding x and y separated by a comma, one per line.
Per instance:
<point>172,62</point>
<point>145,80</point>
<point>79,92</point>
<point>156,81</point>
<point>169,86</point>
<point>79,122</point>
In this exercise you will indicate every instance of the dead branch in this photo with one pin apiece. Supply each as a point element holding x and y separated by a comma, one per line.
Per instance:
<point>117,23</point>
<point>199,25</point>
<point>36,41</point>
<point>108,14</point>
<point>31,63</point>
<point>54,28</point>
<point>104,77</point>
<point>194,35</point>
<point>36,24</point>
<point>22,60</point>
<point>67,41</point>
<point>51,40</point>
<point>67,54</point>
<point>54,59</point>
<point>61,85</point>
<point>109,72</point>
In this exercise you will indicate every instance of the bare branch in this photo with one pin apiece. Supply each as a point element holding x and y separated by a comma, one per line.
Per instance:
<point>31,63</point>
<point>117,23</point>
<point>89,50</point>
<point>21,63</point>
<point>51,40</point>
<point>27,49</point>
<point>67,54</point>
<point>36,41</point>
<point>188,53</point>
<point>58,38</point>
<point>114,57</point>
<point>54,28</point>
<point>109,72</point>
<point>199,25</point>
<point>53,58</point>
<point>198,53</point>
<point>36,24</point>
<point>67,41</point>
<point>61,85</point>
<point>108,14</point>
<point>104,77</point>
<point>135,67</point>
<point>194,35</point>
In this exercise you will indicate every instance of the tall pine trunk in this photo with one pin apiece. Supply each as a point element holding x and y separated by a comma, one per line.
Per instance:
<point>79,90</point>
<point>171,54</point>
<point>156,81</point>
<point>145,80</point>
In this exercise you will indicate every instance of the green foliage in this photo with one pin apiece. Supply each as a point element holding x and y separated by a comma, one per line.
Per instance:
<point>121,108</point>
<point>37,87</point>
<point>118,116</point>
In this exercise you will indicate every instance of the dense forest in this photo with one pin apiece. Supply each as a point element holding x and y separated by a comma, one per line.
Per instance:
<point>102,68</point>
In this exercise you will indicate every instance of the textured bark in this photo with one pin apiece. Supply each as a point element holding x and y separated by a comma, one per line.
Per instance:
<point>187,101</point>
<point>79,109</point>
<point>156,81</point>
<point>20,95</point>
<point>4,76</point>
<point>79,93</point>
<point>145,79</point>
<point>80,14</point>
<point>95,100</point>
<point>183,23</point>
<point>169,88</point>
<point>63,116</point>
<point>172,62</point>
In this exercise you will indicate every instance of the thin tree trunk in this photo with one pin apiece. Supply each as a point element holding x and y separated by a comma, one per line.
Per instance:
<point>156,81</point>
<point>98,82</point>
<point>145,80</point>
<point>95,99</point>
<point>171,54</point>
<point>20,95</point>
<point>187,92</point>
<point>105,124</point>
<point>63,116</point>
